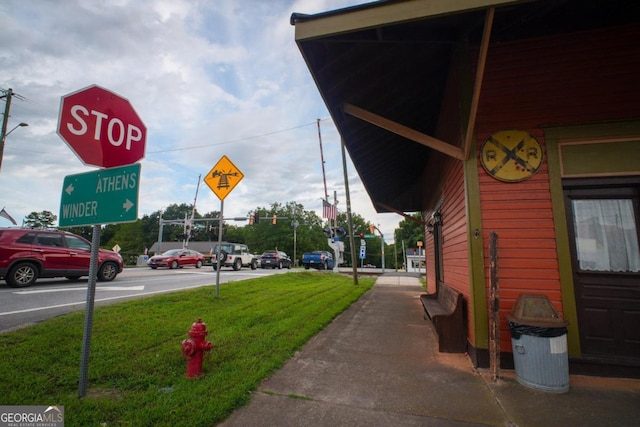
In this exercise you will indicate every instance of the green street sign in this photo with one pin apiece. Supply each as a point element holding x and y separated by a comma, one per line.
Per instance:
<point>369,236</point>
<point>104,196</point>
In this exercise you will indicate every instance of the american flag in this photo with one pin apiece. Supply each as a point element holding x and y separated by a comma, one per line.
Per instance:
<point>5,214</point>
<point>329,211</point>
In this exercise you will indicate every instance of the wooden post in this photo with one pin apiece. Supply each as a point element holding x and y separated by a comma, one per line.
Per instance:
<point>494,304</point>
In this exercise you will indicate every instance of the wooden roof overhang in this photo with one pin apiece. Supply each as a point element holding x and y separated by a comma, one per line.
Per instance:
<point>381,69</point>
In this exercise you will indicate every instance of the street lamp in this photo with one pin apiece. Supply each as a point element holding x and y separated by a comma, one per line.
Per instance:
<point>21,124</point>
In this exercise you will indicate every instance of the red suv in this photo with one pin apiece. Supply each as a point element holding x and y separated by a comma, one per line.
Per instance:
<point>26,255</point>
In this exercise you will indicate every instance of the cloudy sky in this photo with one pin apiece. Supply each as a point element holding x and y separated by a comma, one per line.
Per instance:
<point>207,77</point>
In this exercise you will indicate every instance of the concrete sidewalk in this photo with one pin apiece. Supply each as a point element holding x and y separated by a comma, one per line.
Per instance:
<point>377,364</point>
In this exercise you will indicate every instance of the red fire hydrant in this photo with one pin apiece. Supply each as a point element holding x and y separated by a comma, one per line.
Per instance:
<point>195,347</point>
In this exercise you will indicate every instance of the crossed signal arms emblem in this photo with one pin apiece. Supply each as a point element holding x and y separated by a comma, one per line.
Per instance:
<point>511,155</point>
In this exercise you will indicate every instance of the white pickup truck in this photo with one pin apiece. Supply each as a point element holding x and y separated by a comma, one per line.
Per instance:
<point>235,255</point>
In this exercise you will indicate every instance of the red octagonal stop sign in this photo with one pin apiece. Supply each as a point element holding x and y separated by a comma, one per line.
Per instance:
<point>101,127</point>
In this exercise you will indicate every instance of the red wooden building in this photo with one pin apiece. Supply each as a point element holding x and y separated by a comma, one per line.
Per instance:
<point>520,118</point>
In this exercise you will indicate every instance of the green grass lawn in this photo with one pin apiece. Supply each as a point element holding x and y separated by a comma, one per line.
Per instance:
<point>137,371</point>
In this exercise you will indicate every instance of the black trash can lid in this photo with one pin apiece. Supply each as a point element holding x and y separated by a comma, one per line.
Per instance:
<point>536,310</point>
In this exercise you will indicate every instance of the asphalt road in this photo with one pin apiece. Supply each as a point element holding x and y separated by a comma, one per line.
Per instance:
<point>52,297</point>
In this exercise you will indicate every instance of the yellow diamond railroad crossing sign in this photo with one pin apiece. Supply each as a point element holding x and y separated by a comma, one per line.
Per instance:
<point>223,177</point>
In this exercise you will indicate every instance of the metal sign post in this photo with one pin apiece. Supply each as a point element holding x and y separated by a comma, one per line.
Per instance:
<point>218,260</point>
<point>88,316</point>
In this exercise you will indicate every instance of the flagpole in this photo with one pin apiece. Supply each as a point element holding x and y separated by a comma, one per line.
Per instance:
<point>335,207</point>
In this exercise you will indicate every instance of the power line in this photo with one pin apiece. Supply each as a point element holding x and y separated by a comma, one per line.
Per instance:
<point>194,147</point>
<point>41,107</point>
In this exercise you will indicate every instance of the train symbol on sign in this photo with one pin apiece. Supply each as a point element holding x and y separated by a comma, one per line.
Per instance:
<point>223,177</point>
<point>223,181</point>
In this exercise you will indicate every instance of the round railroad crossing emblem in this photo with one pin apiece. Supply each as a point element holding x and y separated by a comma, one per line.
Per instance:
<point>511,155</point>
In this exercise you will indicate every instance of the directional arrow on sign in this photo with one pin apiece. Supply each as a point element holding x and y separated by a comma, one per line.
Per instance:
<point>105,196</point>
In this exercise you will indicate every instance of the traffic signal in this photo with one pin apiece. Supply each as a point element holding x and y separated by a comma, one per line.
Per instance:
<point>372,229</point>
<point>339,232</point>
<point>328,232</point>
<point>274,220</point>
<point>251,220</point>
<point>256,218</point>
<point>362,235</point>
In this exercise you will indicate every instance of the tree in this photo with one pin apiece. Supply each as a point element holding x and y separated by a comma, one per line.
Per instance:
<point>85,231</point>
<point>44,219</point>
<point>307,232</point>
<point>410,231</point>
<point>129,236</point>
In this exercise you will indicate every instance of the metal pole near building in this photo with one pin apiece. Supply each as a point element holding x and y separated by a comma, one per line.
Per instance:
<point>381,247</point>
<point>295,225</point>
<point>352,241</point>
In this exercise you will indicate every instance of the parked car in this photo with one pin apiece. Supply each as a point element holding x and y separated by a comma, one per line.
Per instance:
<point>321,260</point>
<point>27,254</point>
<point>275,259</point>
<point>177,258</point>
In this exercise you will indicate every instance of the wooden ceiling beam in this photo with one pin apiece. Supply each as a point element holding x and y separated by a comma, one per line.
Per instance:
<point>407,217</point>
<point>477,86</point>
<point>404,131</point>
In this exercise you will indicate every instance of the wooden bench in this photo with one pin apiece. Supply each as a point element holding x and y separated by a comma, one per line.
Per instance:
<point>445,309</point>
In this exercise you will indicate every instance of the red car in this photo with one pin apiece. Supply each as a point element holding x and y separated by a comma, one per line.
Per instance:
<point>26,255</point>
<point>177,258</point>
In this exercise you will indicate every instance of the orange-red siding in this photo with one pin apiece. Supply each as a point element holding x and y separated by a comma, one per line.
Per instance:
<point>526,87</point>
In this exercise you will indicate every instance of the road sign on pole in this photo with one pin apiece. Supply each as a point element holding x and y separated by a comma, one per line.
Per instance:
<point>101,127</point>
<point>104,196</point>
<point>223,177</point>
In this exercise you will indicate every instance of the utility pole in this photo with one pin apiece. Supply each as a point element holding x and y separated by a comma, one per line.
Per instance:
<point>5,120</point>
<point>324,178</point>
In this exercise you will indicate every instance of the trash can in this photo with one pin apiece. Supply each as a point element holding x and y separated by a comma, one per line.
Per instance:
<point>539,344</point>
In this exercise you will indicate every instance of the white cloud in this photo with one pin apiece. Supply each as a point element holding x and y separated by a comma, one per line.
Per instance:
<point>207,78</point>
